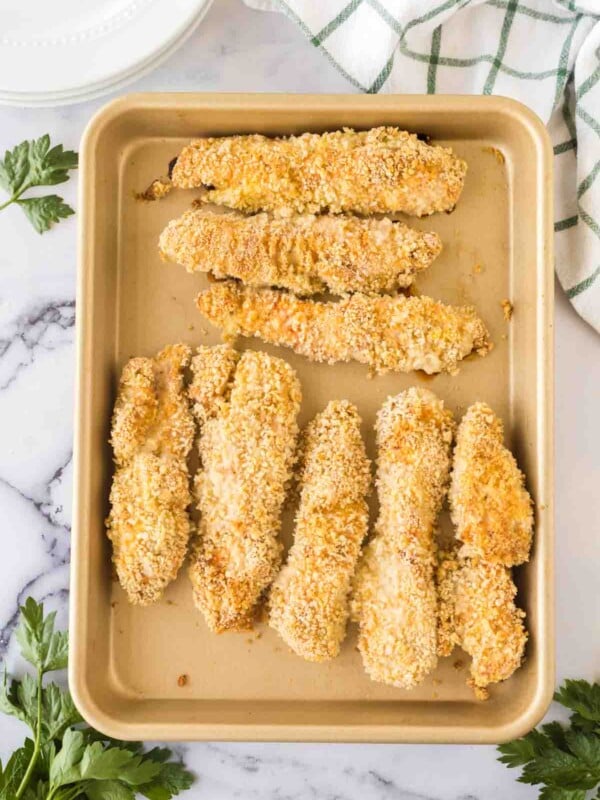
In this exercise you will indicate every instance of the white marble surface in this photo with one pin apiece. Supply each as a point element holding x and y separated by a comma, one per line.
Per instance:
<point>238,49</point>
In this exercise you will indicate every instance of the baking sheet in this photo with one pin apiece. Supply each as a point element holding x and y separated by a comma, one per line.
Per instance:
<point>126,660</point>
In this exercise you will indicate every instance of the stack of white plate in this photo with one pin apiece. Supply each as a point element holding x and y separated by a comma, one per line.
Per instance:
<point>54,52</point>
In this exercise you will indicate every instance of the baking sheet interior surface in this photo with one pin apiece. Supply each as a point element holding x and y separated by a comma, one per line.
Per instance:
<point>145,650</point>
<point>156,306</point>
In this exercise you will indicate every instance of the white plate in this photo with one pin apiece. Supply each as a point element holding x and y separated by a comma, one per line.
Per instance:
<point>95,47</point>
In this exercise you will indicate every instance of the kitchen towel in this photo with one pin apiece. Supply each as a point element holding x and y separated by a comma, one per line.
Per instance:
<point>545,53</point>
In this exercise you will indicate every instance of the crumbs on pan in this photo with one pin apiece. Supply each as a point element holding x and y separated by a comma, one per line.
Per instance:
<point>498,154</point>
<point>477,269</point>
<point>182,680</point>
<point>507,309</point>
<point>156,191</point>
<point>479,692</point>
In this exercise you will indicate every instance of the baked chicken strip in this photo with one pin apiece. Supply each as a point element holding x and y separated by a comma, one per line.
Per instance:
<point>247,447</point>
<point>152,434</point>
<point>477,612</point>
<point>380,170</point>
<point>388,333</point>
<point>309,599</point>
<point>394,599</point>
<point>306,254</point>
<point>490,506</point>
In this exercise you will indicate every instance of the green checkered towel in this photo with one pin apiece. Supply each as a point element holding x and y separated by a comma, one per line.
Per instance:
<point>545,54</point>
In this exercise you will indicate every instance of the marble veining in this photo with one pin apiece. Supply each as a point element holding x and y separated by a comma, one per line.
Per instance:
<point>237,49</point>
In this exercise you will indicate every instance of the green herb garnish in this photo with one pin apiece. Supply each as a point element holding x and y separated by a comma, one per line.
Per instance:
<point>32,164</point>
<point>66,759</point>
<point>565,761</point>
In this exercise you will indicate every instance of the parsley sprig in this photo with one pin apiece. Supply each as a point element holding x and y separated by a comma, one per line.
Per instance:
<point>66,759</point>
<point>564,761</point>
<point>31,164</point>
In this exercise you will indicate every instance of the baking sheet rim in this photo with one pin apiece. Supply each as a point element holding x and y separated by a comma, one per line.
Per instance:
<point>84,700</point>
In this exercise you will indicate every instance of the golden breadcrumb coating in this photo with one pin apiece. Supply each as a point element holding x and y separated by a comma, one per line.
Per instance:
<point>387,333</point>
<point>305,254</point>
<point>394,598</point>
<point>309,599</point>
<point>149,524</point>
<point>247,452</point>
<point>135,409</point>
<point>478,613</point>
<point>152,434</point>
<point>156,191</point>
<point>490,505</point>
<point>380,170</point>
<point>212,372</point>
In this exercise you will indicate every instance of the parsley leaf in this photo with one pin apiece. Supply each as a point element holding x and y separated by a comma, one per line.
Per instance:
<point>9,701</point>
<point>521,751</point>
<point>172,778</point>
<point>44,648</point>
<point>58,712</point>
<point>109,790</point>
<point>581,697</point>
<point>27,697</point>
<point>37,791</point>
<point>587,749</point>
<point>557,768</point>
<point>556,733</point>
<point>555,793</point>
<point>67,760</point>
<point>35,163</point>
<point>563,761</point>
<point>43,212</point>
<point>15,769</point>
<point>92,735</point>
<point>65,766</point>
<point>14,168</point>
<point>48,166</point>
<point>114,762</point>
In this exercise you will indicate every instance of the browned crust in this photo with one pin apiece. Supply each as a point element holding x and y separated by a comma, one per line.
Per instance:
<point>478,613</point>
<point>491,507</point>
<point>395,597</point>
<point>246,450</point>
<point>387,333</point>
<point>380,170</point>
<point>213,369</point>
<point>309,599</point>
<point>152,434</point>
<point>305,254</point>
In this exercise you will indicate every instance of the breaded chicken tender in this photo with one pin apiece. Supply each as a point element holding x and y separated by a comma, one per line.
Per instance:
<point>309,599</point>
<point>478,612</point>
<point>394,599</point>
<point>387,333</point>
<point>381,170</point>
<point>491,508</point>
<point>152,434</point>
<point>305,254</point>
<point>247,448</point>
